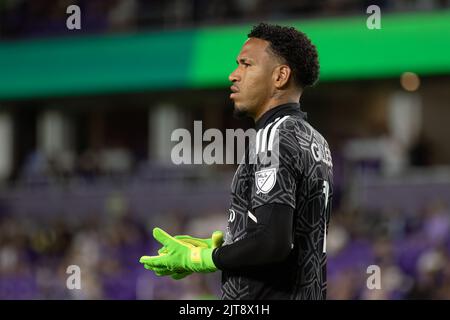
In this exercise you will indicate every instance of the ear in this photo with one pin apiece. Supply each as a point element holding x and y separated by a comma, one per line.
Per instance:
<point>282,73</point>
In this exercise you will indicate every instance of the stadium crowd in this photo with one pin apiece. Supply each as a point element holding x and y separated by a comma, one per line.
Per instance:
<point>26,18</point>
<point>412,250</point>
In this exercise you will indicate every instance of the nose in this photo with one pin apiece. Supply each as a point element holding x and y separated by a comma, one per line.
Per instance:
<point>233,77</point>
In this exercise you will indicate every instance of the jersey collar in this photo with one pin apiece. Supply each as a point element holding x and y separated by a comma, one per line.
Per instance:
<point>279,111</point>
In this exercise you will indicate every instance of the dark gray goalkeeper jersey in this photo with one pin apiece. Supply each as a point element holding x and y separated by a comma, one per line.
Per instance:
<point>301,177</point>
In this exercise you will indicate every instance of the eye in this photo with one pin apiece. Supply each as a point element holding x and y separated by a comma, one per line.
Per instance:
<point>246,64</point>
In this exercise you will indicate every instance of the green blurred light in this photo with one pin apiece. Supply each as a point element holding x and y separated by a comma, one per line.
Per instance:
<point>203,58</point>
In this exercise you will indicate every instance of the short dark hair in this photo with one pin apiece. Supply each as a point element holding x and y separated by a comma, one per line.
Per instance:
<point>294,47</point>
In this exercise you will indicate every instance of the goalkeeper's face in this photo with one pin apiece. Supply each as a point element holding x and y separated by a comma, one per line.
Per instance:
<point>252,80</point>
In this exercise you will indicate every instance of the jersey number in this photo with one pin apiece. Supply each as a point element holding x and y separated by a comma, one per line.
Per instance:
<point>326,191</point>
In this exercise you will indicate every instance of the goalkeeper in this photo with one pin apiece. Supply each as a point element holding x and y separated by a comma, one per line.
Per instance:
<point>275,242</point>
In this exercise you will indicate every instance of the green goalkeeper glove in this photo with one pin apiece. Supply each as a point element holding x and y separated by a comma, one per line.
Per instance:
<point>215,241</point>
<point>180,257</point>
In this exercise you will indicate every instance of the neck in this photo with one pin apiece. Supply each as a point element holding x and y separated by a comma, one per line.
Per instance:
<point>275,103</point>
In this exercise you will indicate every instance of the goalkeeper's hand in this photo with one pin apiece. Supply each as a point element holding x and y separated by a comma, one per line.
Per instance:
<point>215,241</point>
<point>181,256</point>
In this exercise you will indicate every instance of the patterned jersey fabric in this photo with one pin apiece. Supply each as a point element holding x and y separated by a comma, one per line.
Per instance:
<point>289,163</point>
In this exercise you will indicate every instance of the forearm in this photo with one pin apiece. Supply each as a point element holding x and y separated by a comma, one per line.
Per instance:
<point>269,241</point>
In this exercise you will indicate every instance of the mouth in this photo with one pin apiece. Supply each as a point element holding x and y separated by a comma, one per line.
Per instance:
<point>234,91</point>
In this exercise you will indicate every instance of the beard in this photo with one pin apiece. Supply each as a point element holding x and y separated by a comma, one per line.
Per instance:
<point>240,114</point>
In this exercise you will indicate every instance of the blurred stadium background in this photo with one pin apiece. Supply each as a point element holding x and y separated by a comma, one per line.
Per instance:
<point>86,117</point>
